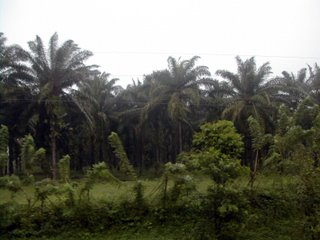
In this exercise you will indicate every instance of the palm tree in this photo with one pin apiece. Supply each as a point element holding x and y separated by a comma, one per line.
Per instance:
<point>252,95</point>
<point>95,98</point>
<point>54,71</point>
<point>295,87</point>
<point>252,92</point>
<point>174,90</point>
<point>15,93</point>
<point>12,69</point>
<point>314,81</point>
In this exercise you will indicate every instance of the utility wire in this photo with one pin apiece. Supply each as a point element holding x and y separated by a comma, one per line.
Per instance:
<point>117,101</point>
<point>204,54</point>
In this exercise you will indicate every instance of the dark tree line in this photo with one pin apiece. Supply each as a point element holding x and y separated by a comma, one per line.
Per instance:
<point>71,108</point>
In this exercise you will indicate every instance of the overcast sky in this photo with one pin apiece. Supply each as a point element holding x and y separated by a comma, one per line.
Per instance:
<point>130,38</point>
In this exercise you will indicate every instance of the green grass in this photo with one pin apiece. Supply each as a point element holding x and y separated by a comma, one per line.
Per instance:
<point>108,191</point>
<point>117,193</point>
<point>114,192</point>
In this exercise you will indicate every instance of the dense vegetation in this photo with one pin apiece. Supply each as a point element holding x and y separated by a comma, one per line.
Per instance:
<point>66,127</point>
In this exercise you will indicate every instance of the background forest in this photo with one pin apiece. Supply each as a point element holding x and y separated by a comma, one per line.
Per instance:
<point>62,119</point>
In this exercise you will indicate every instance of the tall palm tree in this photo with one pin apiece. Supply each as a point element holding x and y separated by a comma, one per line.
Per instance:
<point>15,92</point>
<point>95,98</point>
<point>252,92</point>
<point>54,71</point>
<point>176,89</point>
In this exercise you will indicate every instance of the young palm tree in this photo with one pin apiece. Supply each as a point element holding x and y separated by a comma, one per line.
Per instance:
<point>54,71</point>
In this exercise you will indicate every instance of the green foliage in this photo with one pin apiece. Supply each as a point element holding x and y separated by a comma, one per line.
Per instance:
<point>183,183</point>
<point>228,209</point>
<point>27,153</point>
<point>221,135</point>
<point>11,183</point>
<point>4,141</point>
<point>64,168</point>
<point>217,148</point>
<point>284,121</point>
<point>32,160</point>
<point>139,200</point>
<point>306,113</point>
<point>259,138</point>
<point>124,165</point>
<point>44,189</point>
<point>295,144</point>
<point>97,173</point>
<point>310,201</point>
<point>40,163</point>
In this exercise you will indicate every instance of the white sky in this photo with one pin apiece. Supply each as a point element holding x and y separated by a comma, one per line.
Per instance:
<point>130,38</point>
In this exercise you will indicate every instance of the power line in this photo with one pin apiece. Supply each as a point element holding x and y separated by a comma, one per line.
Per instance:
<point>117,101</point>
<point>204,54</point>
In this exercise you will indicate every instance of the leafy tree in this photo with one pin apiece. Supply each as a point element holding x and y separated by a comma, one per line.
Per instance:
<point>221,135</point>
<point>216,150</point>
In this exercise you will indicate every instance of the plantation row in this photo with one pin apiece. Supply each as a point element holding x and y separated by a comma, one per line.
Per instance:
<point>71,108</point>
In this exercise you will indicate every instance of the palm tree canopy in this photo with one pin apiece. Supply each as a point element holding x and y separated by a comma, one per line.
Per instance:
<point>251,90</point>
<point>58,67</point>
<point>177,87</point>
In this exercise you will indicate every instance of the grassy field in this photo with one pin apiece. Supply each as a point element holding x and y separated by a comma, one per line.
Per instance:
<point>114,192</point>
<point>118,193</point>
<point>108,191</point>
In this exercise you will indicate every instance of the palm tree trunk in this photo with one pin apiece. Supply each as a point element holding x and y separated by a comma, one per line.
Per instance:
<point>254,171</point>
<point>53,157</point>
<point>180,137</point>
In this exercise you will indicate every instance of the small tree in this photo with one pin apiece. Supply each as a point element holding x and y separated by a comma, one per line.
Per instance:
<point>4,141</point>
<point>216,150</point>
<point>259,140</point>
<point>124,165</point>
